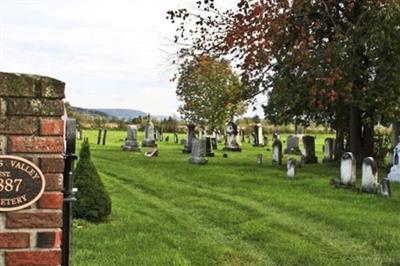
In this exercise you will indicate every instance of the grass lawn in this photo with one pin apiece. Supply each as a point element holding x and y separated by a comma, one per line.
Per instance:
<point>232,212</point>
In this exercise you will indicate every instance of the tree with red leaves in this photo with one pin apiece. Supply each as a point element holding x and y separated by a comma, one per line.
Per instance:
<point>325,61</point>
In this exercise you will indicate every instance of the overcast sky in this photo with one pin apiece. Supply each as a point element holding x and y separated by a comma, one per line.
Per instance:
<point>111,54</point>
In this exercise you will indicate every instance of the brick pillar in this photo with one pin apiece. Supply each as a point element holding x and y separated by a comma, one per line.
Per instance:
<point>31,127</point>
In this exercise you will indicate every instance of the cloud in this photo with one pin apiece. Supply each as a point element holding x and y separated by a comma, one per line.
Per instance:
<point>110,53</point>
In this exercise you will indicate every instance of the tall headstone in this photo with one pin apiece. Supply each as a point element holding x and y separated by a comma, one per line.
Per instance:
<point>131,143</point>
<point>277,152</point>
<point>329,150</point>
<point>190,136</point>
<point>149,140</point>
<point>198,154</point>
<point>348,169</point>
<point>369,180</point>
<point>309,150</point>
<point>105,137</point>
<point>176,138</point>
<point>202,133</point>
<point>291,168</point>
<point>99,137</point>
<point>394,175</point>
<point>209,147</point>
<point>292,145</point>
<point>231,142</point>
<point>256,140</point>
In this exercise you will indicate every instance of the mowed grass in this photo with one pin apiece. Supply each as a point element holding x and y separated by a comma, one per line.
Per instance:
<point>232,212</point>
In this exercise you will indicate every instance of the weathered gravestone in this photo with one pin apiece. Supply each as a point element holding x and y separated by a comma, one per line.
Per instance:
<point>131,143</point>
<point>231,142</point>
<point>309,150</point>
<point>291,168</point>
<point>202,133</point>
<point>348,170</point>
<point>394,175</point>
<point>198,154</point>
<point>259,159</point>
<point>292,145</point>
<point>190,136</point>
<point>329,150</point>
<point>258,136</point>
<point>214,143</point>
<point>209,147</point>
<point>31,197</point>
<point>152,153</point>
<point>385,187</point>
<point>99,137</point>
<point>105,137</point>
<point>369,180</point>
<point>149,140</point>
<point>176,138</point>
<point>277,152</point>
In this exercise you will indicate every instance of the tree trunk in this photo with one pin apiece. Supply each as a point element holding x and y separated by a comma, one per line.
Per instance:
<point>368,140</point>
<point>395,133</point>
<point>355,133</point>
<point>339,143</point>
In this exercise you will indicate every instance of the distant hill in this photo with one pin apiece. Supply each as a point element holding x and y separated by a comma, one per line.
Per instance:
<point>122,113</point>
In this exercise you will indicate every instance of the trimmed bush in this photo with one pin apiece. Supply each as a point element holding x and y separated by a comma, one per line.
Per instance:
<point>93,201</point>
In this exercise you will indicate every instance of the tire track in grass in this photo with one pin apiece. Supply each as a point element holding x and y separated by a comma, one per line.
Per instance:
<point>177,216</point>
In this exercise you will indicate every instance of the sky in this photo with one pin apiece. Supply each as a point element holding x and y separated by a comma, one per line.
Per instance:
<point>110,54</point>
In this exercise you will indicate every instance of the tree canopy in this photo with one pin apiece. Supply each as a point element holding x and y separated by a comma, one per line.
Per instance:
<point>327,61</point>
<point>210,92</point>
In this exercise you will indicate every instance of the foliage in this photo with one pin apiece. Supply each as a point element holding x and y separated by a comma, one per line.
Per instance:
<point>211,93</point>
<point>93,201</point>
<point>323,61</point>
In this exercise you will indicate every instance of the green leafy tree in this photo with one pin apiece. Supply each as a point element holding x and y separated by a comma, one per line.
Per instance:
<point>211,93</point>
<point>93,201</point>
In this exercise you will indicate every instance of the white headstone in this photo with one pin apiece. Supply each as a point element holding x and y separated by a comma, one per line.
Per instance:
<point>394,175</point>
<point>369,181</point>
<point>291,168</point>
<point>348,169</point>
<point>277,152</point>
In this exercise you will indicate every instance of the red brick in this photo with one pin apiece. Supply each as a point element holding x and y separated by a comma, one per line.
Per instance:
<point>34,220</point>
<point>51,127</point>
<point>18,125</point>
<point>52,200</point>
<point>54,182</point>
<point>49,239</point>
<point>14,240</point>
<point>52,165</point>
<point>35,107</point>
<point>36,144</point>
<point>33,258</point>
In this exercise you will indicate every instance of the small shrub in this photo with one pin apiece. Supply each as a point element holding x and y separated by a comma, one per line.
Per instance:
<point>93,202</point>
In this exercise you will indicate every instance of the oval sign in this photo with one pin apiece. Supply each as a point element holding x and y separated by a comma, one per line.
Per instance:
<point>21,183</point>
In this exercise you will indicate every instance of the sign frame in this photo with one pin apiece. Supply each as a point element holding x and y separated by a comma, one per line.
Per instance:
<point>38,171</point>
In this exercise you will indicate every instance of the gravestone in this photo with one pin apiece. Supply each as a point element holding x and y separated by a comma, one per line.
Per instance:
<point>198,154</point>
<point>256,140</point>
<point>394,175</point>
<point>369,180</point>
<point>242,137</point>
<point>277,152</point>
<point>167,139</point>
<point>292,145</point>
<point>329,150</point>
<point>276,136</point>
<point>309,150</point>
<point>209,147</point>
<point>231,142</point>
<point>131,143</point>
<point>99,137</point>
<point>189,138</point>
<point>259,159</point>
<point>291,168</point>
<point>152,153</point>
<point>214,143</point>
<point>105,137</point>
<point>176,138</point>
<point>348,170</point>
<point>385,187</point>
<point>202,133</point>
<point>149,140</point>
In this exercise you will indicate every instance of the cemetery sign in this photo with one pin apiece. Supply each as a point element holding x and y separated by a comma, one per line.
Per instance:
<point>21,183</point>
